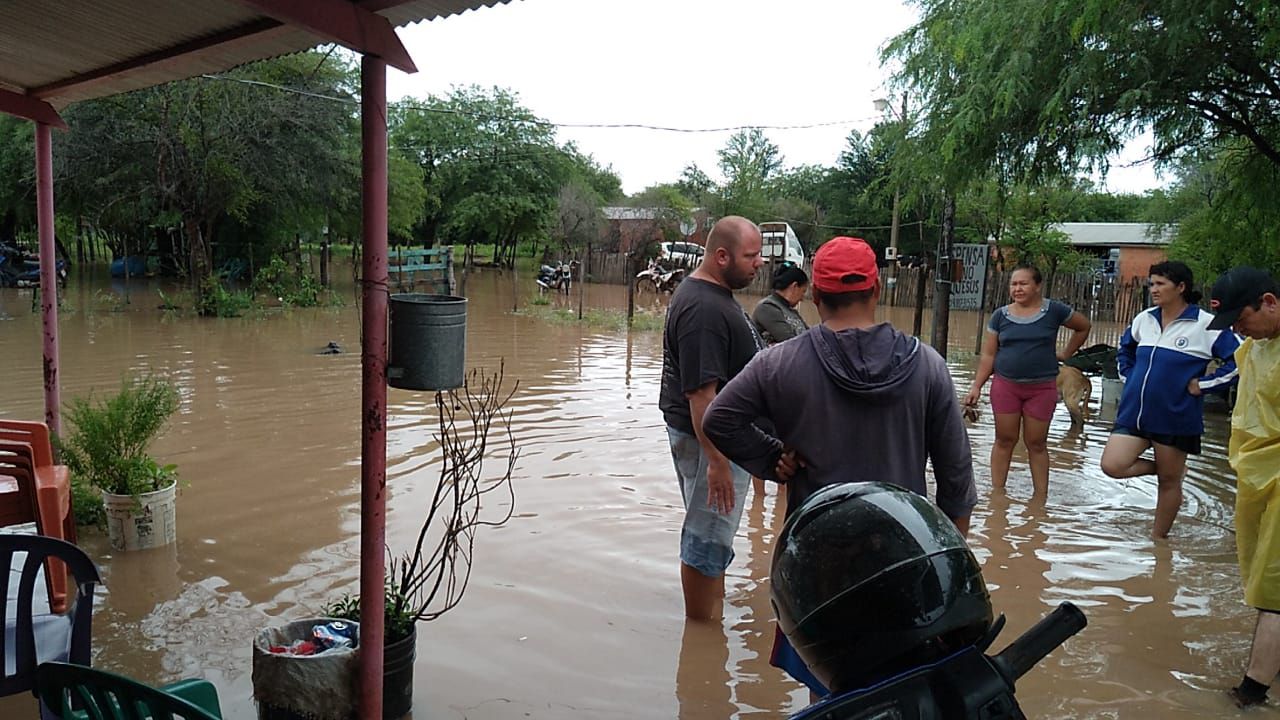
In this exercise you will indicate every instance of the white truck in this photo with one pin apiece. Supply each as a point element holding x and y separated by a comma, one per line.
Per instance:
<point>780,243</point>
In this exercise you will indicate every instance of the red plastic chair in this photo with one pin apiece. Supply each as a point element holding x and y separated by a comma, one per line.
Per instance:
<point>32,488</point>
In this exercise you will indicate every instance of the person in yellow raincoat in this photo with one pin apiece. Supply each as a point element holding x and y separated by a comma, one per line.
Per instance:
<point>1245,299</point>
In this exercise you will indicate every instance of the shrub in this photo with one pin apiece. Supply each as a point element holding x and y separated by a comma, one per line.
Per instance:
<point>107,447</point>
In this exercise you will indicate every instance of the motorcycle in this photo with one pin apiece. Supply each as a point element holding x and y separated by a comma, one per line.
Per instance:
<point>20,270</point>
<point>894,619</point>
<point>558,277</point>
<point>657,279</point>
<point>968,685</point>
<point>11,265</point>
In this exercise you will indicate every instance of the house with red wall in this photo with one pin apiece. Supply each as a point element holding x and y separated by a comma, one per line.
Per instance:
<point>630,228</point>
<point>1134,247</point>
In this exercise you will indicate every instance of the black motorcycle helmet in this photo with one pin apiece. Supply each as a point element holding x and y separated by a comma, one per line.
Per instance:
<point>870,580</point>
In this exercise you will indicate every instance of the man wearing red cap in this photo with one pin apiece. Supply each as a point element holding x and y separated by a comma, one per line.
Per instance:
<point>1247,300</point>
<point>852,400</point>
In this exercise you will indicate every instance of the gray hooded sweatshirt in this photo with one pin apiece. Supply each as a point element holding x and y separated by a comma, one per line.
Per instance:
<point>858,405</point>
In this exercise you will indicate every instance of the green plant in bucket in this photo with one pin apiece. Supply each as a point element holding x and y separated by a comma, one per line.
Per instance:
<point>106,448</point>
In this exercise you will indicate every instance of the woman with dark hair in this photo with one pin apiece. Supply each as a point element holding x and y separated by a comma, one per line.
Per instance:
<point>1163,358</point>
<point>1019,355</point>
<point>776,315</point>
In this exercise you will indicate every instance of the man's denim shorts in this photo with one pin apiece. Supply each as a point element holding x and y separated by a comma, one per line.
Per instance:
<point>706,538</point>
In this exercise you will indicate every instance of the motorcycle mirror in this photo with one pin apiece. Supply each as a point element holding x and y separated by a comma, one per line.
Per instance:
<point>985,641</point>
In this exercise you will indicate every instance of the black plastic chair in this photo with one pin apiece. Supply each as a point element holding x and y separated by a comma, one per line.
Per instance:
<point>66,636</point>
<point>73,692</point>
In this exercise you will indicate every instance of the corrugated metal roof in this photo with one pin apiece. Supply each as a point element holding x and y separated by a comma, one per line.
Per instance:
<point>630,213</point>
<point>56,50</point>
<point>1116,234</point>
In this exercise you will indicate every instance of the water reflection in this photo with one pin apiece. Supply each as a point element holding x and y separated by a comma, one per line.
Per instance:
<point>702,679</point>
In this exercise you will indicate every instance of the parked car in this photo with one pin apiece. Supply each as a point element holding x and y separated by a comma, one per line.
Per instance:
<point>680,253</point>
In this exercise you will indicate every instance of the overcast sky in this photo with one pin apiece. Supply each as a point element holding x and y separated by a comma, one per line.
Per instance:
<point>690,64</point>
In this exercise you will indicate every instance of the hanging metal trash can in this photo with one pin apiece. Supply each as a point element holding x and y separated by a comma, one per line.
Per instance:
<point>428,345</point>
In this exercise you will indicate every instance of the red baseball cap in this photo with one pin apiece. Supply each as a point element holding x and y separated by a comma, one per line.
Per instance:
<point>845,264</point>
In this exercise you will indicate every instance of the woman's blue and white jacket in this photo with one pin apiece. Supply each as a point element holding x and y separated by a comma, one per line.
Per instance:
<point>1157,365</point>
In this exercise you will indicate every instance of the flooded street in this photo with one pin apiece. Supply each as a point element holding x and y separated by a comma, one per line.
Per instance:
<point>574,608</point>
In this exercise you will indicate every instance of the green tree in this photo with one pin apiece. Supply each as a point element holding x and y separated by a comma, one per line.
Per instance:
<point>578,217</point>
<point>1224,212</point>
<point>492,169</point>
<point>1051,84</point>
<point>696,185</point>
<point>239,161</point>
<point>1040,90</point>
<point>748,162</point>
<point>17,177</point>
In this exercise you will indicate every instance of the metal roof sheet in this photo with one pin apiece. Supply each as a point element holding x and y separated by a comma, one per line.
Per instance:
<point>1116,234</point>
<point>630,213</point>
<point>62,52</point>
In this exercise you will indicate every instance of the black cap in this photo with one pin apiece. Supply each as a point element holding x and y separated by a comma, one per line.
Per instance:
<point>1235,290</point>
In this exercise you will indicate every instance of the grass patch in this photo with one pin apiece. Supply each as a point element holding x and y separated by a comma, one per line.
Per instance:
<point>648,321</point>
<point>593,317</point>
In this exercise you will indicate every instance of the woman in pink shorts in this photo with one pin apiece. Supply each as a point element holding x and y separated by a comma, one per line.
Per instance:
<point>1019,355</point>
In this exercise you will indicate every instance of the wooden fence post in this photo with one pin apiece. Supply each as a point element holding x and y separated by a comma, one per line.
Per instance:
<point>582,280</point>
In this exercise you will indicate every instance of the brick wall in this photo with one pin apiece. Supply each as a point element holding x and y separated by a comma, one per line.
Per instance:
<point>1136,262</point>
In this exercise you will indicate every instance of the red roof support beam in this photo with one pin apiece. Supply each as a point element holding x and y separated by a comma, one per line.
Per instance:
<point>29,108</point>
<point>343,22</point>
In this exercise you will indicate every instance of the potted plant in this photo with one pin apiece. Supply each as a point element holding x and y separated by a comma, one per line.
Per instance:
<point>430,580</point>
<point>106,451</point>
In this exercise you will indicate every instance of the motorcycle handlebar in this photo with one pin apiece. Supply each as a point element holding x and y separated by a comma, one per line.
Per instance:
<point>1043,637</point>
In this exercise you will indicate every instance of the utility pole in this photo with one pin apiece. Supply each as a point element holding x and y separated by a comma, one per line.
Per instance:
<point>582,280</point>
<point>942,290</point>
<point>892,255</point>
<point>891,252</point>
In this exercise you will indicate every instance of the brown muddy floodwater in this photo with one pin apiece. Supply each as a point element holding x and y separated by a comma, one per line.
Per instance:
<point>574,608</point>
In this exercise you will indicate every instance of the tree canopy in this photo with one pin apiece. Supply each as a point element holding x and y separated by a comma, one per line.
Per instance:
<point>494,172</point>
<point>231,170</point>
<point>1036,91</point>
<point>1048,85</point>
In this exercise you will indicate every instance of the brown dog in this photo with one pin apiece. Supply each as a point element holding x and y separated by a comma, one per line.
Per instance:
<point>1074,389</point>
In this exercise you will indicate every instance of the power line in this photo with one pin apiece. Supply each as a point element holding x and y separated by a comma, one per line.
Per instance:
<point>273,86</point>
<point>410,105</point>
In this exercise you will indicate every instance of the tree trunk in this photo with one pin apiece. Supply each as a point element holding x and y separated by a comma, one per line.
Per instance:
<point>197,258</point>
<point>79,238</point>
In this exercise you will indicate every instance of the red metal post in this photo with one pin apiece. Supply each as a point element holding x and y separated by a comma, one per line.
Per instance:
<point>373,426</point>
<point>48,275</point>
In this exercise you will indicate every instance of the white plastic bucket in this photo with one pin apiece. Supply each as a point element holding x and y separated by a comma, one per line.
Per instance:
<point>146,522</point>
<point>1111,390</point>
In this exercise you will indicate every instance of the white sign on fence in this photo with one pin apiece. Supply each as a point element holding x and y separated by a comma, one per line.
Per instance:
<point>967,290</point>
